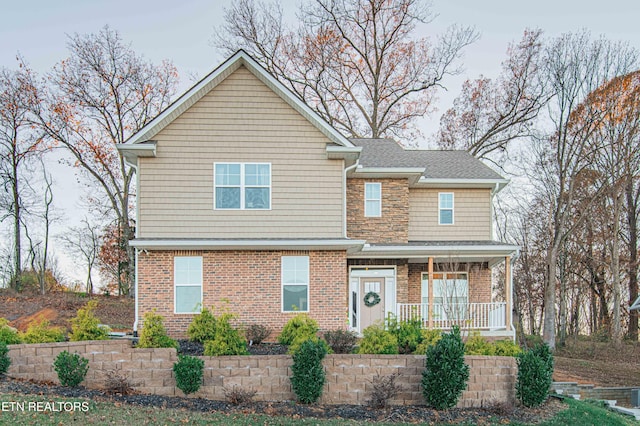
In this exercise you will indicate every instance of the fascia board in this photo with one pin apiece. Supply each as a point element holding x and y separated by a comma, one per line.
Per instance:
<point>186,244</point>
<point>462,183</point>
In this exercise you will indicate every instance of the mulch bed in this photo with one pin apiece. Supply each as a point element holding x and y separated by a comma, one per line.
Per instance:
<point>188,347</point>
<point>497,413</point>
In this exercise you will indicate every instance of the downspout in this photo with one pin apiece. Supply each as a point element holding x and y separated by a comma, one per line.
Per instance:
<point>344,194</point>
<point>135,281</point>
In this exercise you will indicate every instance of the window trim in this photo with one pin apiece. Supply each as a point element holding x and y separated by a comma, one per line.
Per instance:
<point>242,185</point>
<point>176,285</point>
<point>379,200</point>
<point>440,208</point>
<point>282,284</point>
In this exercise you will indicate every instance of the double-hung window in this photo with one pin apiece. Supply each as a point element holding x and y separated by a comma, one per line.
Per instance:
<point>372,199</point>
<point>188,284</point>
<point>445,208</point>
<point>295,283</point>
<point>242,186</point>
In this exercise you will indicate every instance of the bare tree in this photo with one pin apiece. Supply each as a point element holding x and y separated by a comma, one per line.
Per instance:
<point>18,94</point>
<point>355,62</point>
<point>101,95</point>
<point>84,242</point>
<point>488,114</point>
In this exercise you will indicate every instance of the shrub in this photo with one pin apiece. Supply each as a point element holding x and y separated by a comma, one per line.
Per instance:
<point>299,326</point>
<point>308,374</point>
<point>297,343</point>
<point>8,334</point>
<point>408,333</point>
<point>86,326</point>
<point>384,388</point>
<point>238,396</point>
<point>429,338</point>
<point>506,347</point>
<point>535,371</point>
<point>5,361</point>
<point>341,341</point>
<point>71,368</point>
<point>188,371</point>
<point>446,374</point>
<point>154,335</point>
<point>257,333</point>
<point>42,333</point>
<point>203,327</point>
<point>226,340</point>
<point>478,345</point>
<point>377,340</point>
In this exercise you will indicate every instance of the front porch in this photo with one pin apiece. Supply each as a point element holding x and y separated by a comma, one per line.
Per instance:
<point>475,316</point>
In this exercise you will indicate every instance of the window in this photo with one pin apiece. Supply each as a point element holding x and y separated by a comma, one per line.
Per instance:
<point>242,186</point>
<point>295,283</point>
<point>445,207</point>
<point>372,199</point>
<point>450,294</point>
<point>188,284</point>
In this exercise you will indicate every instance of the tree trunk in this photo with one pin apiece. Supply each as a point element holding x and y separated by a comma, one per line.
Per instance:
<point>615,270</point>
<point>632,223</point>
<point>17,259</point>
<point>549,325</point>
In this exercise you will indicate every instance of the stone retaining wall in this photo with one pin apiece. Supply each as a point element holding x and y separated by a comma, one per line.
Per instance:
<point>349,377</point>
<point>620,394</point>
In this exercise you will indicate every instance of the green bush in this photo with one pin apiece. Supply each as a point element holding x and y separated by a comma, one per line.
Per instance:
<point>446,374</point>
<point>478,345</point>
<point>408,333</point>
<point>8,335</point>
<point>506,347</point>
<point>297,343</point>
<point>226,340</point>
<point>188,371</point>
<point>341,341</point>
<point>71,368</point>
<point>154,335</point>
<point>377,340</point>
<point>86,326</point>
<point>257,333</point>
<point>429,338</point>
<point>42,333</point>
<point>308,375</point>
<point>203,327</point>
<point>5,361</point>
<point>298,327</point>
<point>535,371</point>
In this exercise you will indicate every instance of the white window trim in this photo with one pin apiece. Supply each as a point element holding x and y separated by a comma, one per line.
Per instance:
<point>425,277</point>
<point>175,286</point>
<point>242,185</point>
<point>282,284</point>
<point>440,208</point>
<point>372,199</point>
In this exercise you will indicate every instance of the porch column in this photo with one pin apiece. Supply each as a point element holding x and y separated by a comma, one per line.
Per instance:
<point>430,293</point>
<point>507,290</point>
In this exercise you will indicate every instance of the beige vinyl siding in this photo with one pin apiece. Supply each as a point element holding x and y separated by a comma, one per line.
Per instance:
<point>241,120</point>
<point>472,215</point>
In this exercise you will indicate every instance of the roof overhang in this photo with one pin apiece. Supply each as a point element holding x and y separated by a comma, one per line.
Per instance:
<point>491,253</point>
<point>496,185</point>
<point>411,173</point>
<point>204,86</point>
<point>131,153</point>
<point>246,244</point>
<point>349,154</point>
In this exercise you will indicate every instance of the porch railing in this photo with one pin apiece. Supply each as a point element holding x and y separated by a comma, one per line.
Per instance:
<point>483,316</point>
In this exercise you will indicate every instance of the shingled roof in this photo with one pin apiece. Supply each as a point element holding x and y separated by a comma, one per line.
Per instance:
<point>437,164</point>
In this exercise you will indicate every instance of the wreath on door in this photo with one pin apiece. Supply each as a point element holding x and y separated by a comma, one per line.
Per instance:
<point>371,299</point>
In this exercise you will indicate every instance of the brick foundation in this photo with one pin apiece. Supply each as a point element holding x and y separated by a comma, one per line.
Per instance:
<point>349,377</point>
<point>247,283</point>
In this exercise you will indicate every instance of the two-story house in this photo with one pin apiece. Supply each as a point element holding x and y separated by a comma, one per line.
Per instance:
<point>247,200</point>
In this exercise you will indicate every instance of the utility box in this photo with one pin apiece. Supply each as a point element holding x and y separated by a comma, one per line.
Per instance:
<point>635,397</point>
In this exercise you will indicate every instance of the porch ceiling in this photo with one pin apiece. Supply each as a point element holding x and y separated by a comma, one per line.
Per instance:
<point>493,252</point>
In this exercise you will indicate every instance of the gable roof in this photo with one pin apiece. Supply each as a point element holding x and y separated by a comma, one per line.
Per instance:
<point>208,83</point>
<point>386,153</point>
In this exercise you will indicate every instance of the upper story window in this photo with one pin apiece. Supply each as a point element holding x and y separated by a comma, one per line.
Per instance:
<point>372,199</point>
<point>242,186</point>
<point>187,278</point>
<point>445,208</point>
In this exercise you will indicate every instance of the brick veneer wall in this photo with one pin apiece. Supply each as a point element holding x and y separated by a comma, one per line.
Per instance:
<point>479,281</point>
<point>349,377</point>
<point>393,225</point>
<point>247,283</point>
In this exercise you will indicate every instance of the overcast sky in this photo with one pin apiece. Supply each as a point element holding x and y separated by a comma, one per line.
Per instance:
<point>180,30</point>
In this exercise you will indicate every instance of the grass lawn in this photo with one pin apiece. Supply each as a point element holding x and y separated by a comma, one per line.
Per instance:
<point>103,413</point>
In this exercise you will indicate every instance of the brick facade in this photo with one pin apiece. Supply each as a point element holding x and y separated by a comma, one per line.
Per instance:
<point>247,283</point>
<point>393,225</point>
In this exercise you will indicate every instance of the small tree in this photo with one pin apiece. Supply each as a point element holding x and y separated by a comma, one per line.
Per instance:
<point>535,372</point>
<point>446,374</point>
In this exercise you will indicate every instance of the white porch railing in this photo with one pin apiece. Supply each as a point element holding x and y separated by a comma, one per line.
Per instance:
<point>483,316</point>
